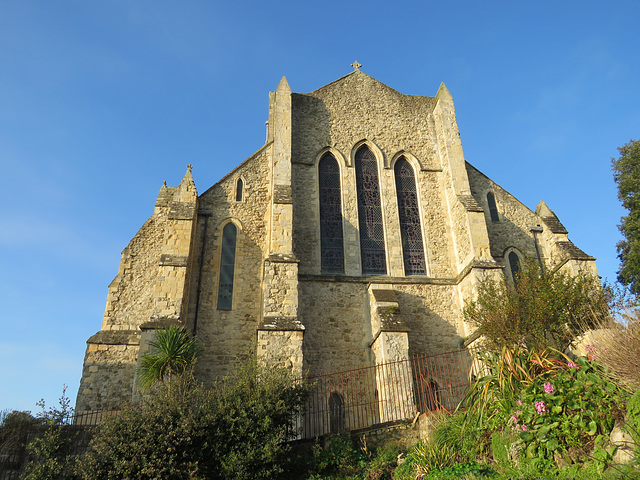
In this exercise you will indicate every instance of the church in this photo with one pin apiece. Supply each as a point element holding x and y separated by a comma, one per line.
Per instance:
<point>352,237</point>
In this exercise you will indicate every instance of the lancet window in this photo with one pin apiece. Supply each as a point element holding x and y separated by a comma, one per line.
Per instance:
<point>372,248</point>
<point>514,265</point>
<point>239,188</point>
<point>227,265</point>
<point>410,227</point>
<point>493,208</point>
<point>331,240</point>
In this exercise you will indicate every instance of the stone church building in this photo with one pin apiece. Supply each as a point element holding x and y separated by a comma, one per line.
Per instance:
<point>352,237</point>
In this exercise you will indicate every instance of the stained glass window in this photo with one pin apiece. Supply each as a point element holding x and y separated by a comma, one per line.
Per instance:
<point>227,263</point>
<point>493,208</point>
<point>514,265</point>
<point>410,229</point>
<point>331,244</point>
<point>239,187</point>
<point>370,212</point>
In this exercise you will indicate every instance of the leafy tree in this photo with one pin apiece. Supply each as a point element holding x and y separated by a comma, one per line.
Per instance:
<point>236,430</point>
<point>52,450</point>
<point>542,309</point>
<point>171,353</point>
<point>626,173</point>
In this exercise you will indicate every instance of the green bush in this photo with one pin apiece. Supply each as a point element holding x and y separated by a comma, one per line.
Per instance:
<point>237,430</point>
<point>542,309</point>
<point>52,449</point>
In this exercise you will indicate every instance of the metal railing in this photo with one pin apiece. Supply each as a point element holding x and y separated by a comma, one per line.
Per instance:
<point>365,397</point>
<point>354,399</point>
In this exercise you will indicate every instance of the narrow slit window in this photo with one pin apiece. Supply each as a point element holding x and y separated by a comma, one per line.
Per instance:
<point>514,265</point>
<point>409,213</point>
<point>331,239</point>
<point>239,187</point>
<point>493,208</point>
<point>372,250</point>
<point>227,265</point>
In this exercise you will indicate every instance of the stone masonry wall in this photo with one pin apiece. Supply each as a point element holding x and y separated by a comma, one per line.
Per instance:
<point>515,218</point>
<point>338,118</point>
<point>229,335</point>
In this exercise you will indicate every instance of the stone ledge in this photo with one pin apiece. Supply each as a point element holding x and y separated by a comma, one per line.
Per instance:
<point>182,211</point>
<point>282,258</point>
<point>167,260</point>
<point>159,323</point>
<point>281,323</point>
<point>282,194</point>
<point>470,203</point>
<point>115,337</point>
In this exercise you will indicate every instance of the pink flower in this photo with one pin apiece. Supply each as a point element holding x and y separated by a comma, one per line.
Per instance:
<point>548,388</point>
<point>515,419</point>
<point>524,428</point>
<point>519,402</point>
<point>540,407</point>
<point>572,365</point>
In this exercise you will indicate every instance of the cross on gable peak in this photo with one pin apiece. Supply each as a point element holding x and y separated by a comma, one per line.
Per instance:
<point>356,66</point>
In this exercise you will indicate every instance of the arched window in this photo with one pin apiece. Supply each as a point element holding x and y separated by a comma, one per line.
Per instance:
<point>514,265</point>
<point>372,250</point>
<point>239,187</point>
<point>336,413</point>
<point>410,229</point>
<point>331,244</point>
<point>493,208</point>
<point>227,263</point>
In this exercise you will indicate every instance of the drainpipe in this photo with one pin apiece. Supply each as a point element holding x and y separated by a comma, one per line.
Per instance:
<point>535,230</point>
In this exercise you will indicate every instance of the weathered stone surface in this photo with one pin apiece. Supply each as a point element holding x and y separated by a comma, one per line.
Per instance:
<point>283,308</point>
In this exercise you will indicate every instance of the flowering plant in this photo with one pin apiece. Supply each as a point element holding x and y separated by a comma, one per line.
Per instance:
<point>564,410</point>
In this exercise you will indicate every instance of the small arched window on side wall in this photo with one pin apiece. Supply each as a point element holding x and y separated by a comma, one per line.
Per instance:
<point>514,265</point>
<point>239,190</point>
<point>227,265</point>
<point>493,208</point>
<point>336,413</point>
<point>331,238</point>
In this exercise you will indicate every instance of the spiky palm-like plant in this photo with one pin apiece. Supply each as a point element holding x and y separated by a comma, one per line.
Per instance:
<point>171,353</point>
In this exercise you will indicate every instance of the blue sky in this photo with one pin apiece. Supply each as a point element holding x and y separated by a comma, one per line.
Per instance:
<point>102,101</point>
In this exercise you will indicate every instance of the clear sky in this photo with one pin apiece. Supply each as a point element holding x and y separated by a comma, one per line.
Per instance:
<point>100,101</point>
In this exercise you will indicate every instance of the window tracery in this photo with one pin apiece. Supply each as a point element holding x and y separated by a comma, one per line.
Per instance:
<point>331,237</point>
<point>372,249</point>
<point>409,213</point>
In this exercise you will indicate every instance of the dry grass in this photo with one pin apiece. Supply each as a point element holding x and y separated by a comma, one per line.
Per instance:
<point>617,346</point>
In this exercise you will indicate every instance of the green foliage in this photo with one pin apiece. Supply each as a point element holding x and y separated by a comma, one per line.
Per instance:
<point>234,431</point>
<point>542,309</point>
<point>51,451</point>
<point>339,457</point>
<point>633,419</point>
<point>171,353</point>
<point>626,173</point>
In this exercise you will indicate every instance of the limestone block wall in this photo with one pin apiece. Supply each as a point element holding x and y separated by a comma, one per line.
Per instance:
<point>283,348</point>
<point>130,298</point>
<point>340,117</point>
<point>515,218</point>
<point>229,335</point>
<point>108,370</point>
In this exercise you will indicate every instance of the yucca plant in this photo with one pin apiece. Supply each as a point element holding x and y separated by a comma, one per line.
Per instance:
<point>171,353</point>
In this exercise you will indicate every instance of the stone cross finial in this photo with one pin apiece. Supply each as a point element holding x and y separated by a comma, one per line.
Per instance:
<point>164,183</point>
<point>189,167</point>
<point>356,66</point>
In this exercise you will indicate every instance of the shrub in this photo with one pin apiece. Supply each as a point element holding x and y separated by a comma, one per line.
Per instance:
<point>52,450</point>
<point>542,309</point>
<point>234,431</point>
